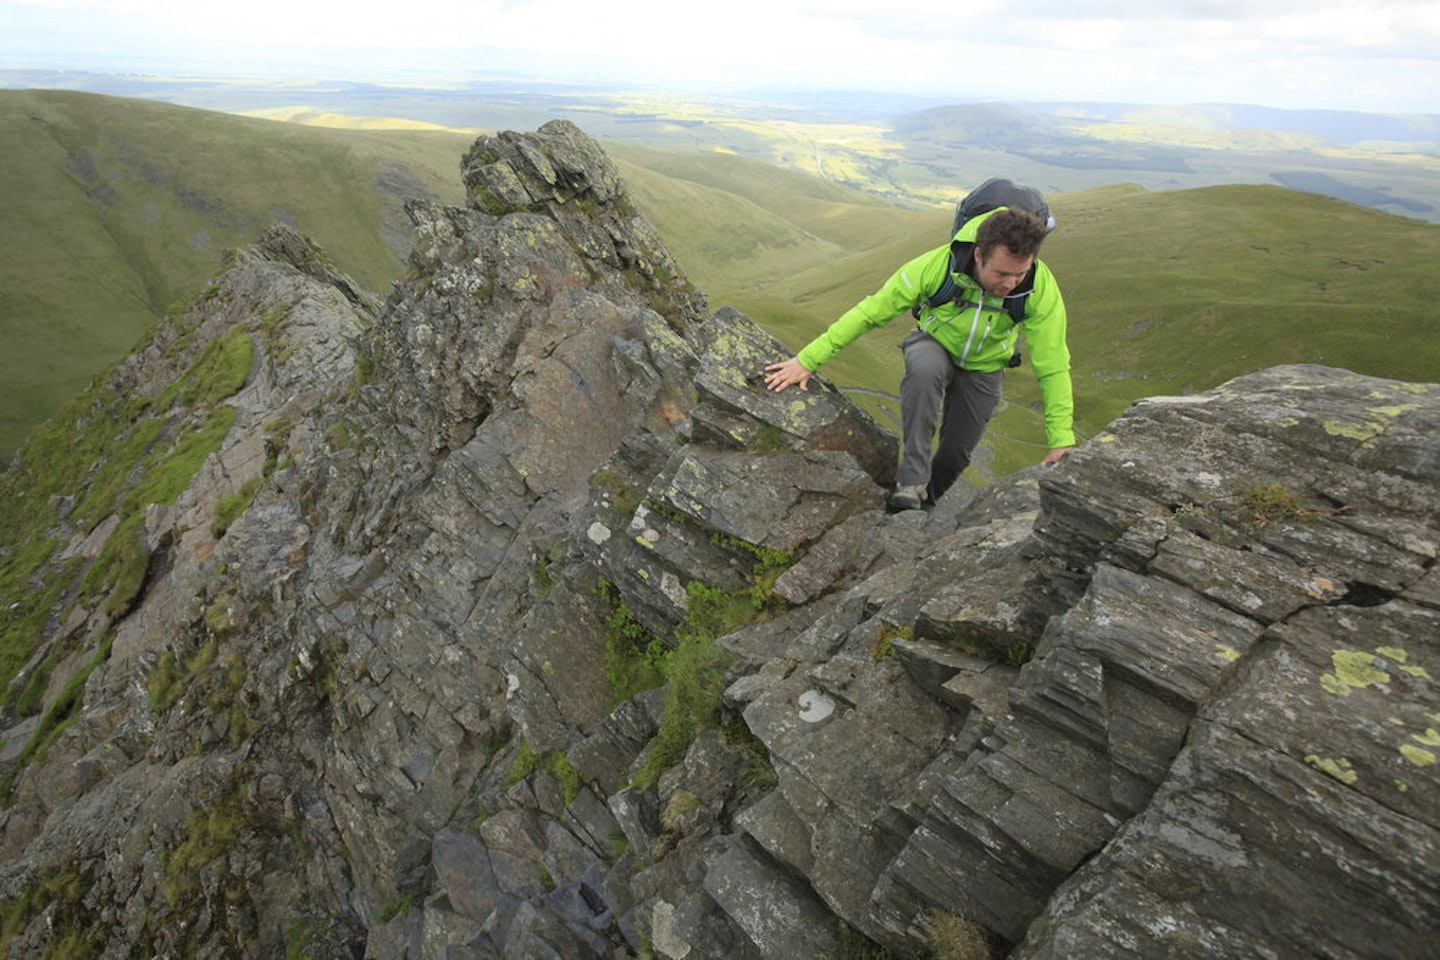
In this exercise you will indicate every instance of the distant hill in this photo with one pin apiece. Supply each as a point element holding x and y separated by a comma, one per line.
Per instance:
<point>1168,292</point>
<point>119,208</point>
<point>116,208</point>
<point>910,150</point>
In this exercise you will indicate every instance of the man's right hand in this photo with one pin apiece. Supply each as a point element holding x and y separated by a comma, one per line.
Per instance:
<point>788,373</point>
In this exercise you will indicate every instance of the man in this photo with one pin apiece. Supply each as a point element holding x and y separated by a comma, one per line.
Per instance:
<point>956,357</point>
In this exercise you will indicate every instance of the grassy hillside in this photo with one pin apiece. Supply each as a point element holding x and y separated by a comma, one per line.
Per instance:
<point>1167,292</point>
<point>115,209</point>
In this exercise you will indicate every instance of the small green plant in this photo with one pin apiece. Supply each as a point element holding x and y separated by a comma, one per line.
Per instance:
<point>619,845</point>
<point>544,564</point>
<point>570,780</point>
<point>1189,511</point>
<point>1273,502</point>
<point>209,834</point>
<point>1019,654</point>
<point>695,684</point>
<point>769,439</point>
<point>633,652</point>
<point>394,908</point>
<point>682,803</point>
<point>760,774</point>
<point>525,763</point>
<point>884,645</point>
<point>228,509</point>
<point>62,895</point>
<point>622,496</point>
<point>340,435</point>
<point>164,682</point>
<point>63,711</point>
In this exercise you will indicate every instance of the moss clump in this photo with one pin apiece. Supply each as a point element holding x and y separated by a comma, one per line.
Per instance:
<point>63,895</point>
<point>209,834</point>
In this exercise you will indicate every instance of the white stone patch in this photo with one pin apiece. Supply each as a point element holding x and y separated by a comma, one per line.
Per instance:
<point>512,685</point>
<point>815,706</point>
<point>664,939</point>
<point>671,586</point>
<point>598,533</point>
<point>1178,401</point>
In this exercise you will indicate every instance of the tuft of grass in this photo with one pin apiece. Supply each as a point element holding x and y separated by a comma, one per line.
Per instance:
<point>1273,502</point>
<point>954,937</point>
<point>228,510</point>
<point>63,711</point>
<point>209,835</point>
<point>694,684</point>
<point>885,637</point>
<point>634,654</point>
<point>63,895</point>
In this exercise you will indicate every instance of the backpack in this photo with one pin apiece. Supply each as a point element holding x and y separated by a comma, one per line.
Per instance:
<point>993,193</point>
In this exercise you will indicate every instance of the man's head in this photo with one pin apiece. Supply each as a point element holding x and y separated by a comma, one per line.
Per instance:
<point>1005,249</point>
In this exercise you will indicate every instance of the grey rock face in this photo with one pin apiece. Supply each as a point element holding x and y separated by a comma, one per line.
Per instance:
<point>1172,697</point>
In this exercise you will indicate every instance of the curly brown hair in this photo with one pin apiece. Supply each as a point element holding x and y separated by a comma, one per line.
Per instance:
<point>1016,230</point>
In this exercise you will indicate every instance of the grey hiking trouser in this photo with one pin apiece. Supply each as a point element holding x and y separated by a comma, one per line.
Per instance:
<point>962,401</point>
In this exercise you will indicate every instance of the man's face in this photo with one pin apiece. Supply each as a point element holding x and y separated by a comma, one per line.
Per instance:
<point>1000,272</point>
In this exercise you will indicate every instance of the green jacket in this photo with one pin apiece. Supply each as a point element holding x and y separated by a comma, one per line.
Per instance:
<point>978,337</point>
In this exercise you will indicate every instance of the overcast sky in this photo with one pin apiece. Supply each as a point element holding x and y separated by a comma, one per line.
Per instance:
<point>1371,55</point>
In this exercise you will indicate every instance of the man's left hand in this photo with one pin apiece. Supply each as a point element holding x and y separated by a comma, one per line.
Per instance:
<point>1056,455</point>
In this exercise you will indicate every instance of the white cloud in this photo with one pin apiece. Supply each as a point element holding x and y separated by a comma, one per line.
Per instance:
<point>1356,54</point>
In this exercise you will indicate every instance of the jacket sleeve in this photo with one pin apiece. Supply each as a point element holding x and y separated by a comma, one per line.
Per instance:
<point>1050,358</point>
<point>909,285</point>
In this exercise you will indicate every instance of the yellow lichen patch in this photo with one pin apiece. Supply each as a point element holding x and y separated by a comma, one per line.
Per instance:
<point>1339,769</point>
<point>1354,669</point>
<point>1355,431</point>
<point>1394,411</point>
<point>1402,786</point>
<point>1332,684</point>
<point>1430,738</point>
<point>1418,756</point>
<point>1107,438</point>
<point>1227,653</point>
<point>1420,673</point>
<point>1393,653</point>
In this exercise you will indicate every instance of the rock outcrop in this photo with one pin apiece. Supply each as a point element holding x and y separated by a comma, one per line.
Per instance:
<point>512,617</point>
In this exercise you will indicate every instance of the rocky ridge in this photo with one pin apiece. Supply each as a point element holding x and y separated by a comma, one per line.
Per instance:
<point>350,689</point>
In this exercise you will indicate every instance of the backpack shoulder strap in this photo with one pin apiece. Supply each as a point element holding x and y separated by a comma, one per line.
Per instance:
<point>960,252</point>
<point>959,257</point>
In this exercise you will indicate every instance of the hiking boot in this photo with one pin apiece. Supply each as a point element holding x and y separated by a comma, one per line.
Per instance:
<point>906,498</point>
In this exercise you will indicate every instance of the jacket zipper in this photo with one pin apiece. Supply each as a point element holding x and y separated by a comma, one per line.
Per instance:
<point>974,324</point>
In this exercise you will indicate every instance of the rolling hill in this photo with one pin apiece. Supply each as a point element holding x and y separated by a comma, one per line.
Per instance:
<point>117,208</point>
<point>114,209</point>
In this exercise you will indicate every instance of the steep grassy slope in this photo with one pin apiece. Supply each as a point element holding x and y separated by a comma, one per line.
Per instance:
<point>114,209</point>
